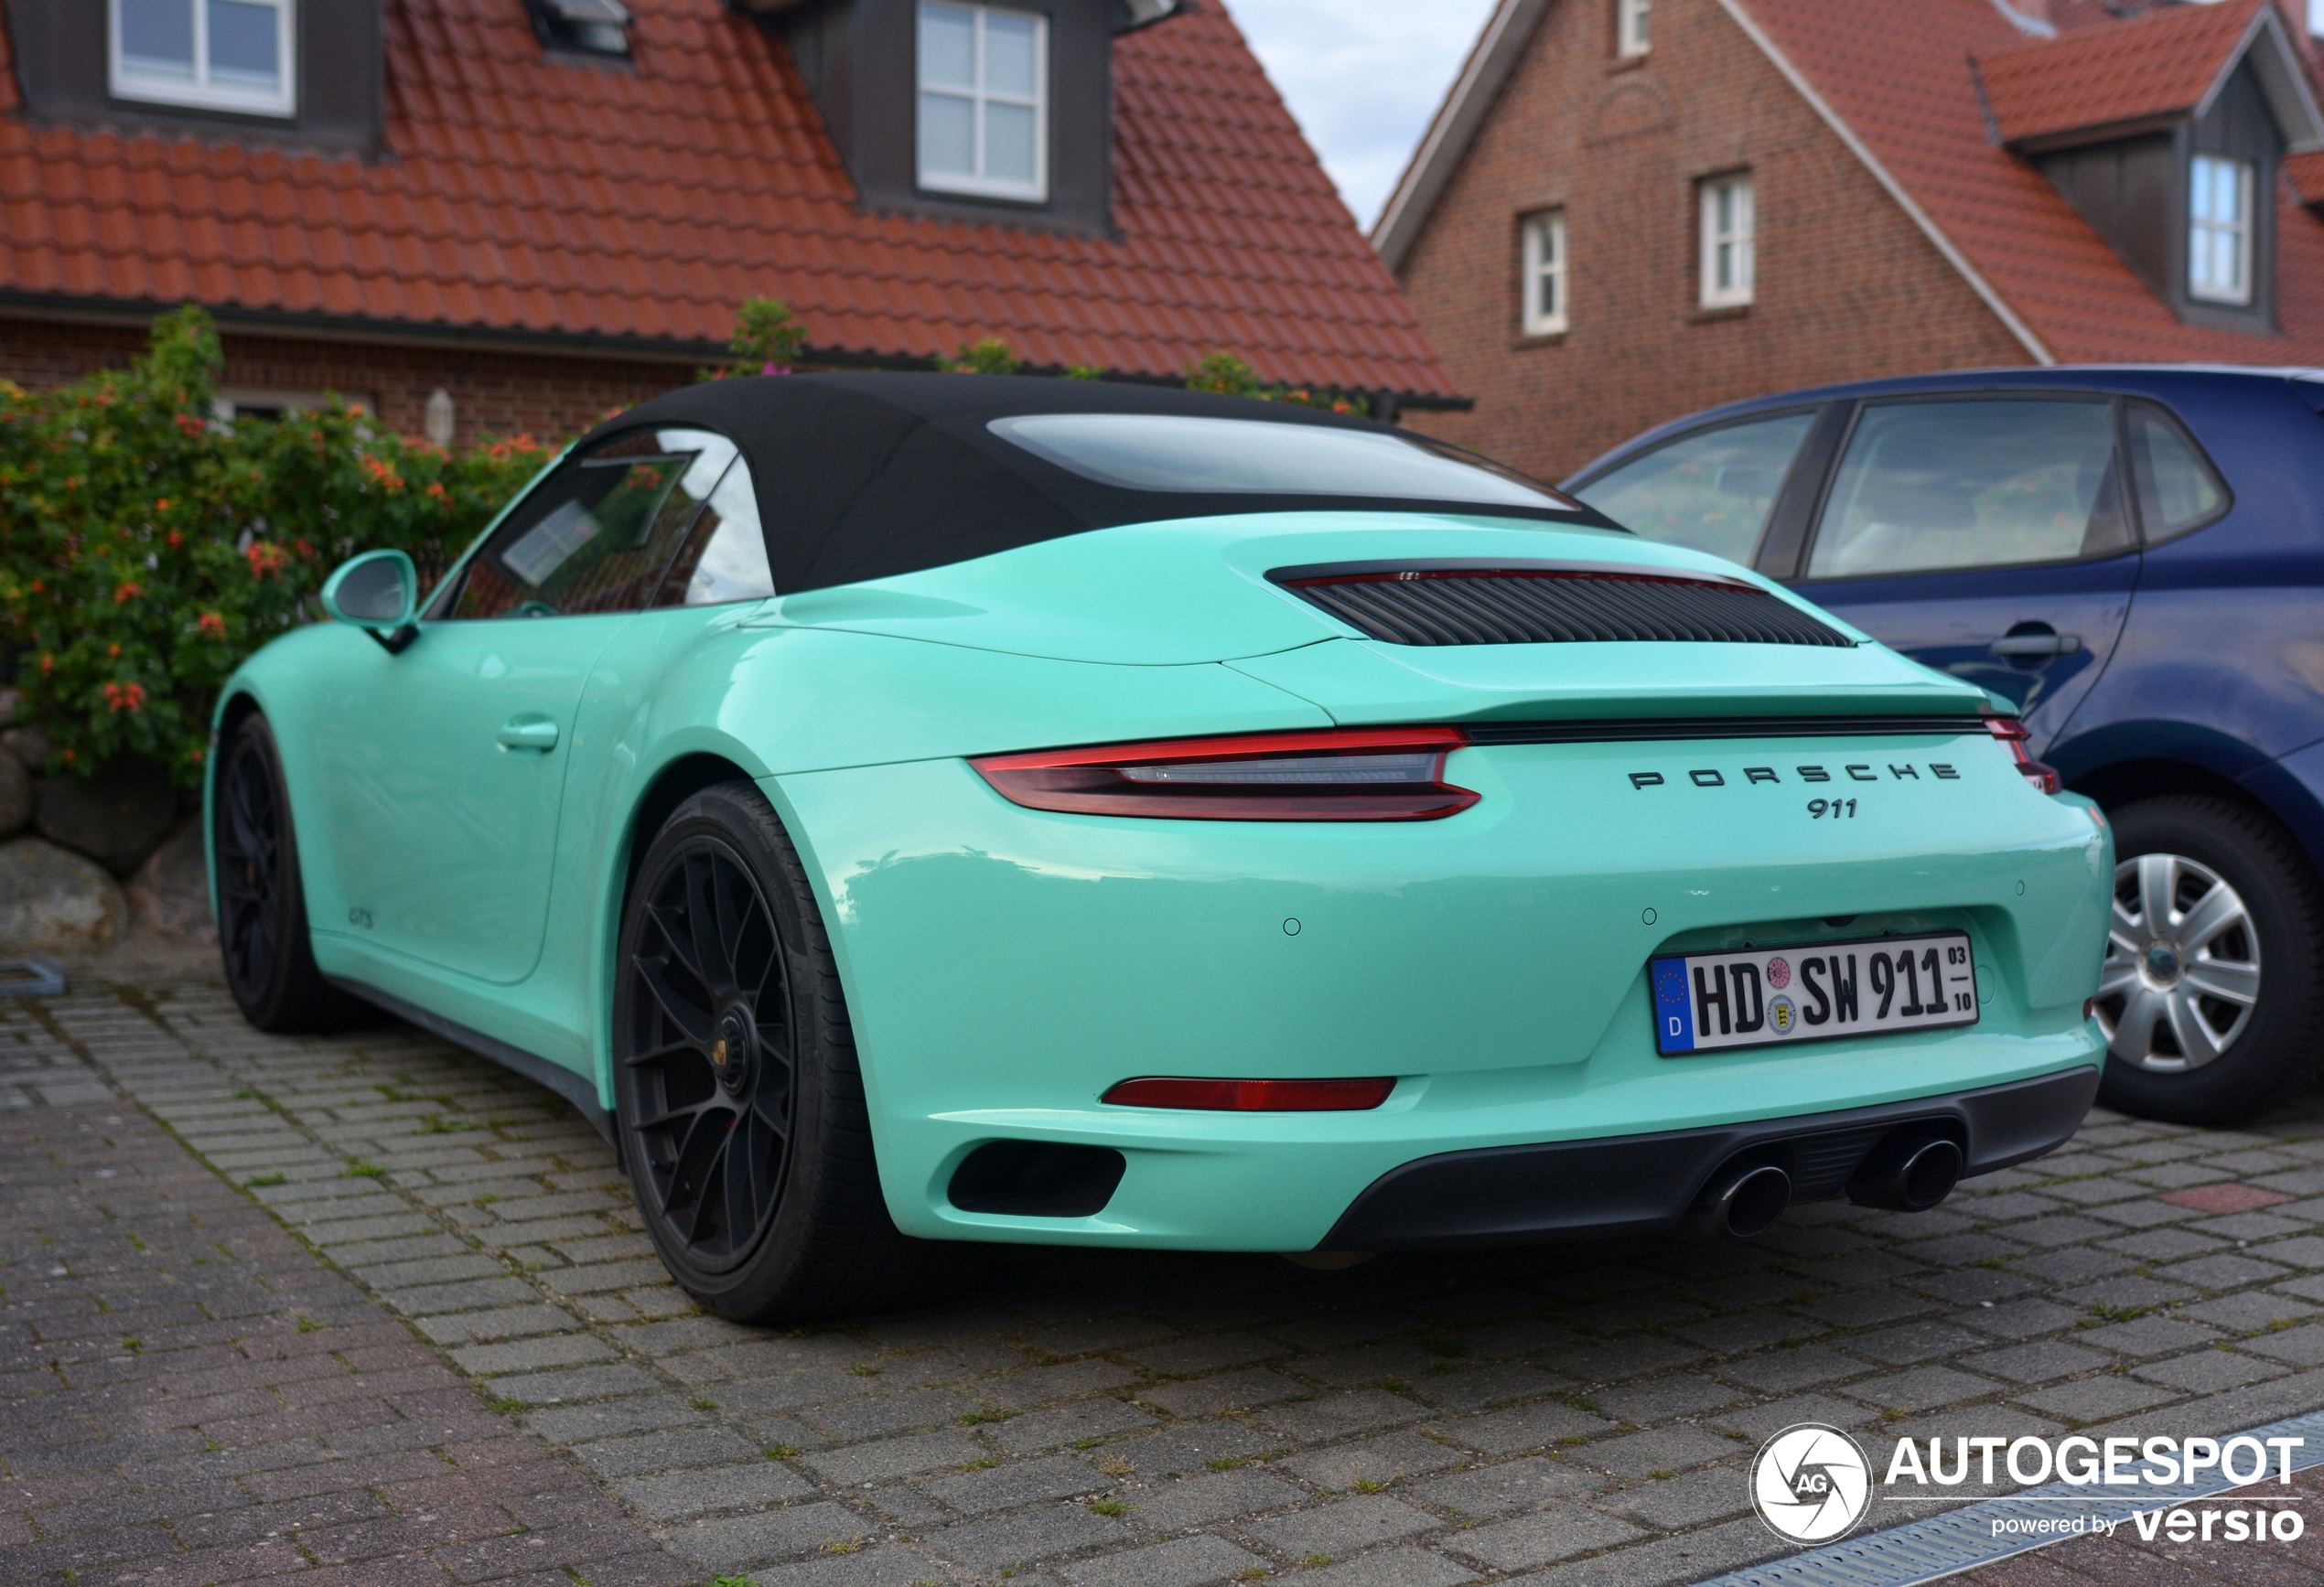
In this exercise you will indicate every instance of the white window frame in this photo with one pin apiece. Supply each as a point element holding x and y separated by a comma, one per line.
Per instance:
<point>202,93</point>
<point>1739,237</point>
<point>979,96</point>
<point>1546,259</point>
<point>2238,231</point>
<point>1631,38</point>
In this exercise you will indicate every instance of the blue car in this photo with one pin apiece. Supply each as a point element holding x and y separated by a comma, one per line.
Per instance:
<point>2132,555</point>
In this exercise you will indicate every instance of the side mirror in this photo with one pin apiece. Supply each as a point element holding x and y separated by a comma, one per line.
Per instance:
<point>379,593</point>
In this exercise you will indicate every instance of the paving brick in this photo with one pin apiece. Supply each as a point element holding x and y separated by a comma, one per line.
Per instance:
<point>2088,1399</point>
<point>1001,1542</point>
<point>1689,1500</point>
<point>1526,1484</point>
<point>1392,1568</point>
<point>1073,1423</point>
<point>1198,1501</point>
<point>1339,1415</point>
<point>1337,1528</point>
<point>1557,1533</point>
<point>2210,1371</point>
<point>1180,1562</point>
<point>1380,1459</point>
<point>1228,1391</point>
<point>895,1457</point>
<point>1671,1448</point>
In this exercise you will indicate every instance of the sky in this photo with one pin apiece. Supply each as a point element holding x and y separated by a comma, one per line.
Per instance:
<point>1362,77</point>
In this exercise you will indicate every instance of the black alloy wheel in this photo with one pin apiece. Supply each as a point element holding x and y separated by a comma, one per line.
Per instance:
<point>2212,990</point>
<point>262,906</point>
<point>738,1101</point>
<point>709,1056</point>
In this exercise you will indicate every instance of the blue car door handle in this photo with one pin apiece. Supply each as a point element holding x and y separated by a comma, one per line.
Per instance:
<point>2037,645</point>
<point>529,732</point>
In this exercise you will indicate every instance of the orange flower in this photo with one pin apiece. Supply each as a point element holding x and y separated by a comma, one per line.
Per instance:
<point>176,539</point>
<point>124,697</point>
<point>38,586</point>
<point>125,592</point>
<point>212,624</point>
<point>189,424</point>
<point>263,559</point>
<point>113,652</point>
<point>162,504</point>
<point>48,664</point>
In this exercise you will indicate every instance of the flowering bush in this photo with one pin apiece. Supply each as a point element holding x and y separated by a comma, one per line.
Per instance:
<point>145,547</point>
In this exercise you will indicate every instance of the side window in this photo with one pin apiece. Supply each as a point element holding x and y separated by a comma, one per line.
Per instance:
<point>2177,492</point>
<point>1985,482</point>
<point>1711,490</point>
<point>597,535</point>
<point>724,554</point>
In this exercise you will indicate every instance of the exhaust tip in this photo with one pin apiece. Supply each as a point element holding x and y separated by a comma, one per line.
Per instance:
<point>1908,1172</point>
<point>1743,1199</point>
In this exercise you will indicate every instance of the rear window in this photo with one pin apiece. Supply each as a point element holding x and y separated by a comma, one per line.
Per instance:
<point>1254,458</point>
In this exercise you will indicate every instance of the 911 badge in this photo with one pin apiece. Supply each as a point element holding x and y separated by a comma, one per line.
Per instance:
<point>1748,998</point>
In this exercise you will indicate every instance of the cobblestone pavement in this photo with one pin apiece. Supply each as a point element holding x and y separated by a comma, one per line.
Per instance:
<point>1092,1419</point>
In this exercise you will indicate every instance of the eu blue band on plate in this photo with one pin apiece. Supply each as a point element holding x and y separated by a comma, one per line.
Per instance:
<point>1673,1010</point>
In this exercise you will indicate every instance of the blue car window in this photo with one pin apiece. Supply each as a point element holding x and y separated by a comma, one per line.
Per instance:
<point>724,556</point>
<point>597,535</point>
<point>1711,490</point>
<point>2177,492</point>
<point>1980,482</point>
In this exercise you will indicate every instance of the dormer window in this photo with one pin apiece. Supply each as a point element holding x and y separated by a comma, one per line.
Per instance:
<point>230,54</point>
<point>984,102</point>
<point>2219,230</point>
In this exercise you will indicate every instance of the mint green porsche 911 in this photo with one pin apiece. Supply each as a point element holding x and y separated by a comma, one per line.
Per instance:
<point>908,809</point>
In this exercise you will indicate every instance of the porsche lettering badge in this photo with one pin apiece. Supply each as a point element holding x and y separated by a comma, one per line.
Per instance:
<point>1711,776</point>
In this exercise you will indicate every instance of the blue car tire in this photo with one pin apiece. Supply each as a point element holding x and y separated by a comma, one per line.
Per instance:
<point>740,1102</point>
<point>2213,986</point>
<point>260,900</point>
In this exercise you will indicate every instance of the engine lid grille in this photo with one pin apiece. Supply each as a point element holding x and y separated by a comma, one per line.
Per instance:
<point>1438,603</point>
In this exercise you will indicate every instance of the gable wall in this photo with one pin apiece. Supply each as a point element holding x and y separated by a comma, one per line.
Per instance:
<point>1847,285</point>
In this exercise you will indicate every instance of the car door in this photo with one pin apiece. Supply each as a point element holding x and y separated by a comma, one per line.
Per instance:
<point>446,774</point>
<point>1985,534</point>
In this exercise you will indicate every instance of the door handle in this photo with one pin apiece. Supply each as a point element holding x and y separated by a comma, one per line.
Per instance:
<point>531,733</point>
<point>2037,645</point>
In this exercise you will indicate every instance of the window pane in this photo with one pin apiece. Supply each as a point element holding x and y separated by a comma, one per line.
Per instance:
<point>158,37</point>
<point>1971,484</point>
<point>947,135</point>
<point>2177,490</point>
<point>1009,65</point>
<point>243,44</point>
<point>597,533</point>
<point>725,557</point>
<point>1008,142</point>
<point>947,46</point>
<point>1711,490</point>
<point>1172,452</point>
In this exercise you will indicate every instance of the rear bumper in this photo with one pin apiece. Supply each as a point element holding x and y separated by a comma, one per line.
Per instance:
<point>1565,1190</point>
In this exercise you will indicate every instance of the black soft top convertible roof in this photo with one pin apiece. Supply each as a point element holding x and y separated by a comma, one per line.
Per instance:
<point>871,475</point>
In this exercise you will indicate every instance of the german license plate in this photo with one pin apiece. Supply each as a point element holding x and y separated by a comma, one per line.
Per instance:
<point>1758,998</point>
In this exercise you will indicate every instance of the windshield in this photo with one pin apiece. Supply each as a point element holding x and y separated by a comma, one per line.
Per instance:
<point>1257,457</point>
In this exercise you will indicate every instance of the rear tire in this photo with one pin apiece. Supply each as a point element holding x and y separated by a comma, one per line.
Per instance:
<point>2213,988</point>
<point>262,903</point>
<point>740,1106</point>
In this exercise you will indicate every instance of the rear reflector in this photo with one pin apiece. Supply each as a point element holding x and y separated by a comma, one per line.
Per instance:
<point>1252,1096</point>
<point>2012,736</point>
<point>1373,774</point>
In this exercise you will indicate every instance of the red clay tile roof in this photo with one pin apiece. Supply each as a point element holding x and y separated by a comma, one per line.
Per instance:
<point>2161,64</point>
<point>1903,85</point>
<point>532,198</point>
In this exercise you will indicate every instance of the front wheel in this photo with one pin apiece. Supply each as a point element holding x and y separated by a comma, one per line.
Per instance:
<point>741,1109</point>
<point>2213,985</point>
<point>262,903</point>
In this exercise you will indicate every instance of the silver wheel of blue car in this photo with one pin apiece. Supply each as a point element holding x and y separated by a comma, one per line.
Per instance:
<point>2182,971</point>
<point>708,1060</point>
<point>2210,892</point>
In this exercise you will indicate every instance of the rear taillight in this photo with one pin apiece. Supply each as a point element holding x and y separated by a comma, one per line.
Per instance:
<point>1252,1096</point>
<point>1373,774</point>
<point>2012,736</point>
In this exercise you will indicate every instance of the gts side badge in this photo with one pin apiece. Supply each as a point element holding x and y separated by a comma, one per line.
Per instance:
<point>1713,777</point>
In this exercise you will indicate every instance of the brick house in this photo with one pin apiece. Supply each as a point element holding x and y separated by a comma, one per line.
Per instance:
<point>1627,209</point>
<point>512,215</point>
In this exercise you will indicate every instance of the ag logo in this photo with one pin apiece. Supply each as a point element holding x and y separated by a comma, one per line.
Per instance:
<point>1810,1482</point>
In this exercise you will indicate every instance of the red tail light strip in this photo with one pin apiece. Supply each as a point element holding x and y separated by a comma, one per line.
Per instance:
<point>2012,736</point>
<point>1368,774</point>
<point>1252,1096</point>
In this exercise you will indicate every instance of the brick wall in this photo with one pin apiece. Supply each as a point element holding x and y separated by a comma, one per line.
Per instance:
<point>544,395</point>
<point>1847,287</point>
